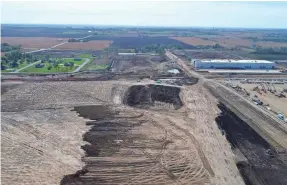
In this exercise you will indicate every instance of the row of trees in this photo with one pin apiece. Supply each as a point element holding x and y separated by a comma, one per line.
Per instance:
<point>274,51</point>
<point>159,48</point>
<point>5,47</point>
<point>15,58</point>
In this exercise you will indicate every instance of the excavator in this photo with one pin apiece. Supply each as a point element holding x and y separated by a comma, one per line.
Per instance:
<point>263,88</point>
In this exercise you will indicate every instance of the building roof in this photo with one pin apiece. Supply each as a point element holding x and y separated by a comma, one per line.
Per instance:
<point>245,71</point>
<point>235,61</point>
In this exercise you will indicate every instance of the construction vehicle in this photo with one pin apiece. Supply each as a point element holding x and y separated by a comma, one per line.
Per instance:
<point>255,88</point>
<point>281,95</point>
<point>273,87</point>
<point>246,92</point>
<point>269,87</point>
<point>263,88</point>
<point>280,116</point>
<point>257,101</point>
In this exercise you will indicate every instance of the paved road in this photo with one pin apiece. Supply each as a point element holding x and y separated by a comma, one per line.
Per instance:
<point>82,65</point>
<point>18,70</point>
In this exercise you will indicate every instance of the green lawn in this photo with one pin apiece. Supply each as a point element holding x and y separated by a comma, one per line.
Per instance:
<point>60,68</point>
<point>90,56</point>
<point>97,67</point>
<point>72,60</point>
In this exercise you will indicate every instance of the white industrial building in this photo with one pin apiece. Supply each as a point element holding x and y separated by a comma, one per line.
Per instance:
<point>233,64</point>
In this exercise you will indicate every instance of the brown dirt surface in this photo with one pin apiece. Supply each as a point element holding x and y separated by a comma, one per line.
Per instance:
<point>194,41</point>
<point>91,45</point>
<point>41,137</point>
<point>32,42</point>
<point>233,42</point>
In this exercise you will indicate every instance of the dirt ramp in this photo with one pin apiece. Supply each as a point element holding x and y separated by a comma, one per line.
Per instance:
<point>153,96</point>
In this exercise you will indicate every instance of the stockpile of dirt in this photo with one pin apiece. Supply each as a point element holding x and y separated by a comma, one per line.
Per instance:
<point>146,96</point>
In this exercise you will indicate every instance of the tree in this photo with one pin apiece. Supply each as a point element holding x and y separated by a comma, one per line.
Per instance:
<point>49,67</point>
<point>14,64</point>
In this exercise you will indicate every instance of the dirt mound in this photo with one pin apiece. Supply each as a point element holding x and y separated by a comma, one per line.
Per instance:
<point>147,96</point>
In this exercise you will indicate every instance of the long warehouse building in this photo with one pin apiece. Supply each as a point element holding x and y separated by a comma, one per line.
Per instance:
<point>233,64</point>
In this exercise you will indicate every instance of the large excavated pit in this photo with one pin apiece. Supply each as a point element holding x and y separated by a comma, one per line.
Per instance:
<point>147,96</point>
<point>260,164</point>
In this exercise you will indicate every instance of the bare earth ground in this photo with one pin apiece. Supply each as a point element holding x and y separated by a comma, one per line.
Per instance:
<point>41,140</point>
<point>32,42</point>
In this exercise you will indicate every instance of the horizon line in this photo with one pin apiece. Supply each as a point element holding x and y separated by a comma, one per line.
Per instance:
<point>143,26</point>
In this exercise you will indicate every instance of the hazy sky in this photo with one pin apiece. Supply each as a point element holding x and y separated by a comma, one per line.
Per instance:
<point>198,14</point>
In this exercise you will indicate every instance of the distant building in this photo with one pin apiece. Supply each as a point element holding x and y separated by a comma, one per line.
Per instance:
<point>233,64</point>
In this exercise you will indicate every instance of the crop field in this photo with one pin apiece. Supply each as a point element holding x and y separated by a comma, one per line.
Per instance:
<point>233,42</point>
<point>91,45</point>
<point>194,41</point>
<point>32,42</point>
<point>137,42</point>
<point>54,69</point>
<point>42,31</point>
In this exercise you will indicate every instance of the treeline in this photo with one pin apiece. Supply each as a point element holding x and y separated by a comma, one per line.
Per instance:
<point>267,39</point>
<point>6,47</point>
<point>16,58</point>
<point>273,51</point>
<point>159,48</point>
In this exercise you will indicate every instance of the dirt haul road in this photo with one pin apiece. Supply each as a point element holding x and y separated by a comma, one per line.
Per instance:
<point>43,142</point>
<point>267,126</point>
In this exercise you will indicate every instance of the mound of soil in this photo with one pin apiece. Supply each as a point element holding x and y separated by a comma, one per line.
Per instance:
<point>146,96</point>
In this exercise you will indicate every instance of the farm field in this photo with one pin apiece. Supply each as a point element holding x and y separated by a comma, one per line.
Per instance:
<point>233,42</point>
<point>59,68</point>
<point>229,41</point>
<point>137,42</point>
<point>32,42</point>
<point>194,41</point>
<point>91,45</point>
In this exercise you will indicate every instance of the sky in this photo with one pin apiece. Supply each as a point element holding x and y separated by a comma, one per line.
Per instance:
<point>151,13</point>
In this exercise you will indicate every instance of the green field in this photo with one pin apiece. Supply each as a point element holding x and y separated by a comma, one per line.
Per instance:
<point>97,67</point>
<point>90,56</point>
<point>55,69</point>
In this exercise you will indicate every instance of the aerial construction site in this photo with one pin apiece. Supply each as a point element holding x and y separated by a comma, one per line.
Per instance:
<point>140,118</point>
